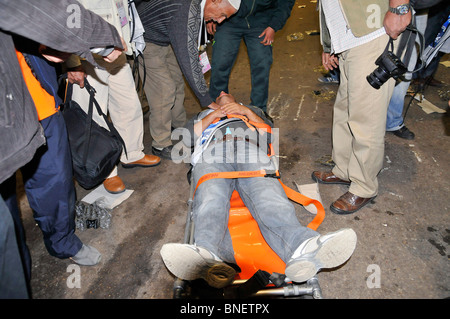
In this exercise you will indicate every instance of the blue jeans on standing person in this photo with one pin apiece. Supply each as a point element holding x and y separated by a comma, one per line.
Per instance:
<point>263,196</point>
<point>226,45</point>
<point>394,120</point>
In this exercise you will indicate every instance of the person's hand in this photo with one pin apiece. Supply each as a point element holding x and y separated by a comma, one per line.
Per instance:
<point>234,108</point>
<point>269,36</point>
<point>211,27</point>
<point>219,113</point>
<point>116,53</point>
<point>214,106</point>
<point>395,24</point>
<point>329,61</point>
<point>53,55</point>
<point>76,76</point>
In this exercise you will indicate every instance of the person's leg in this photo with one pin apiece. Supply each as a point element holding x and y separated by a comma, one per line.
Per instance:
<point>8,192</point>
<point>303,249</point>
<point>212,241</point>
<point>266,200</point>
<point>341,135</point>
<point>178,112</point>
<point>13,282</point>
<point>225,48</point>
<point>367,112</point>
<point>161,90</point>
<point>125,110</point>
<point>260,57</point>
<point>51,192</point>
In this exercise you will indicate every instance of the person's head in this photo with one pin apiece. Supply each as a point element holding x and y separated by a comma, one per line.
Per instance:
<point>224,98</point>
<point>219,10</point>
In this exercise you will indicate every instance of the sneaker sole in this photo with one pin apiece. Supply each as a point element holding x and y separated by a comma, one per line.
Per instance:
<point>332,252</point>
<point>216,274</point>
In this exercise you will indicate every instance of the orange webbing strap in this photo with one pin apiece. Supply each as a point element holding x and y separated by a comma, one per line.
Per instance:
<point>250,124</point>
<point>305,201</point>
<point>290,193</point>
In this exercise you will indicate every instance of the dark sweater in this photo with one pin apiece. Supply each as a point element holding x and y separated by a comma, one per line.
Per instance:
<point>177,22</point>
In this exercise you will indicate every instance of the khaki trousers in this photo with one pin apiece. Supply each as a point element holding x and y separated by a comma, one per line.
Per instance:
<point>116,94</point>
<point>359,119</point>
<point>164,88</point>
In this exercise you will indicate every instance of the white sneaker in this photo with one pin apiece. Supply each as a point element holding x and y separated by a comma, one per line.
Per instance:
<point>191,262</point>
<point>320,252</point>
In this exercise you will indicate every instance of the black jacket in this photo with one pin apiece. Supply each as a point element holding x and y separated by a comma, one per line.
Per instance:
<point>263,13</point>
<point>47,22</point>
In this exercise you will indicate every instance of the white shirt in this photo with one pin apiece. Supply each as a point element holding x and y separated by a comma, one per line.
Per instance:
<point>341,35</point>
<point>202,14</point>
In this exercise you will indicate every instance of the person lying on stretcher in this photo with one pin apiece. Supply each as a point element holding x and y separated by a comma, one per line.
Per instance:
<point>225,145</point>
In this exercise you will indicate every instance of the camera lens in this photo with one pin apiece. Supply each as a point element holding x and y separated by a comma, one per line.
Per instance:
<point>378,77</point>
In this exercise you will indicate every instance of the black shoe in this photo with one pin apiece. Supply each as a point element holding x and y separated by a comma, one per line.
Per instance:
<point>404,132</point>
<point>166,152</point>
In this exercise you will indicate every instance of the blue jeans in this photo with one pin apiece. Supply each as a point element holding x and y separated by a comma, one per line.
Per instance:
<point>263,196</point>
<point>226,45</point>
<point>394,120</point>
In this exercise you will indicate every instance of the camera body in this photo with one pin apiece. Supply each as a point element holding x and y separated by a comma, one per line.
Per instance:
<point>389,65</point>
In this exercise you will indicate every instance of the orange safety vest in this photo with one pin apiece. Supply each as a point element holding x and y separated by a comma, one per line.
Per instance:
<point>44,102</point>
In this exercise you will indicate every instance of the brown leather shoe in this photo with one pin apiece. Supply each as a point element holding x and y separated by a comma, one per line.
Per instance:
<point>327,178</point>
<point>114,185</point>
<point>349,204</point>
<point>146,161</point>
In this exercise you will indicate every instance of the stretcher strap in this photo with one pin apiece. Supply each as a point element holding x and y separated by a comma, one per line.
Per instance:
<point>290,193</point>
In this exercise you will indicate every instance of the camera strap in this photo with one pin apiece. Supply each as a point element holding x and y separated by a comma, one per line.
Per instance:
<point>407,44</point>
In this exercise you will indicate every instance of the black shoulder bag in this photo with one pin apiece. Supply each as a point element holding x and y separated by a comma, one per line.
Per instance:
<point>95,150</point>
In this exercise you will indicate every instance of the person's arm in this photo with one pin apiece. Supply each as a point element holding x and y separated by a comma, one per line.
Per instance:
<point>184,40</point>
<point>395,24</point>
<point>280,14</point>
<point>201,125</point>
<point>239,109</point>
<point>62,25</point>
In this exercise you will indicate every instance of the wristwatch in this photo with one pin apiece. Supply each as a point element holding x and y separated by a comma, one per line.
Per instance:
<point>401,9</point>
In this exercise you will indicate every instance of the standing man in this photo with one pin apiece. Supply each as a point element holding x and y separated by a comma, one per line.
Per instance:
<point>116,92</point>
<point>356,33</point>
<point>172,33</point>
<point>256,23</point>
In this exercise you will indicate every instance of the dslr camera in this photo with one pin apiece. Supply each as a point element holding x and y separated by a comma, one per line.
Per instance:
<point>389,65</point>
